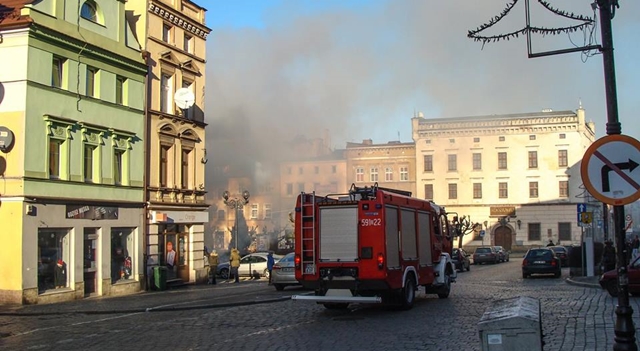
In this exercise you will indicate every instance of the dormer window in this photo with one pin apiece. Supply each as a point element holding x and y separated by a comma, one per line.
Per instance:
<point>89,11</point>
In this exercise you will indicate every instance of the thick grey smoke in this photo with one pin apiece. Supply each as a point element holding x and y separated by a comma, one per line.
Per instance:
<point>361,73</point>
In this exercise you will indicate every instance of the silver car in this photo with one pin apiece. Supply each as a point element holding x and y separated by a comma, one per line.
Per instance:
<point>248,264</point>
<point>284,272</point>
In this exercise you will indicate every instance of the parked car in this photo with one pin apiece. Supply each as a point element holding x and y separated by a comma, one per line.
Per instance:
<point>484,255</point>
<point>540,261</point>
<point>461,259</point>
<point>562,253</point>
<point>256,261</point>
<point>284,272</point>
<point>609,279</point>
<point>503,255</point>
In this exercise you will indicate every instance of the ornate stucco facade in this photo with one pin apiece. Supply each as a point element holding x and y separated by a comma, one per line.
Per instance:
<point>518,174</point>
<point>72,201</point>
<point>175,50</point>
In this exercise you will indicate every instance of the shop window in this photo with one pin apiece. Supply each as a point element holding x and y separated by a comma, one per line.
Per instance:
<point>122,249</point>
<point>53,259</point>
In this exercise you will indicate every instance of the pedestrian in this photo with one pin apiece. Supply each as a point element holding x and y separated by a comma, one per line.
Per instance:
<point>234,260</point>
<point>213,267</point>
<point>635,245</point>
<point>550,243</point>
<point>270,263</point>
<point>608,256</point>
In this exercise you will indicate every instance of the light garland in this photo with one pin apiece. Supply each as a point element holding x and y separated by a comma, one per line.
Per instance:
<point>474,34</point>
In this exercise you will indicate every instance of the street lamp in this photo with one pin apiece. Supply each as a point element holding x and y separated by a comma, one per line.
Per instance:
<point>237,204</point>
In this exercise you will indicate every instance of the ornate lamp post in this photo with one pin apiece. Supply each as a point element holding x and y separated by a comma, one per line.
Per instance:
<point>237,204</point>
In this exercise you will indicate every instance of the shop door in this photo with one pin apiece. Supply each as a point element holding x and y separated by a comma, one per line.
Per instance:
<point>183,257</point>
<point>90,264</point>
<point>503,236</point>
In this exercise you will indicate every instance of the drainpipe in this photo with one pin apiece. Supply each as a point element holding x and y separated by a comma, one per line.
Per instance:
<point>145,178</point>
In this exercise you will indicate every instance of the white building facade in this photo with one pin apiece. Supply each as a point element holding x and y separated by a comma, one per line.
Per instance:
<point>518,175</point>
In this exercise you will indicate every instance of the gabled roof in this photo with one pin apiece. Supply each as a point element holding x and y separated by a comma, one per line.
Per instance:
<point>10,13</point>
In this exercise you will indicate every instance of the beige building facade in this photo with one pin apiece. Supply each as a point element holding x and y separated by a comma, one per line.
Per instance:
<point>518,174</point>
<point>175,49</point>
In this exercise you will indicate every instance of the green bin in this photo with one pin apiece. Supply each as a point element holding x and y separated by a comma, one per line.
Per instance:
<point>160,277</point>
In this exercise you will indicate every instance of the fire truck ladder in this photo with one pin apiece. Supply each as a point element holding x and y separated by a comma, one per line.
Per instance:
<point>308,217</point>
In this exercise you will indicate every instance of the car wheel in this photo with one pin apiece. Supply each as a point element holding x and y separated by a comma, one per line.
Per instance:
<point>279,287</point>
<point>446,289</point>
<point>525,275</point>
<point>224,273</point>
<point>612,288</point>
<point>408,294</point>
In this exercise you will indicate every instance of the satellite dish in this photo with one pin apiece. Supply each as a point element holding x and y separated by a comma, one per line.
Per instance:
<point>184,98</point>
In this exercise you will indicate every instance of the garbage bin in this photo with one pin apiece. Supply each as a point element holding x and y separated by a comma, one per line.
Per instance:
<point>511,324</point>
<point>160,277</point>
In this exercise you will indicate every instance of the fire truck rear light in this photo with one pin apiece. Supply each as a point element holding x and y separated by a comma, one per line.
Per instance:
<point>296,261</point>
<point>380,261</point>
<point>365,207</point>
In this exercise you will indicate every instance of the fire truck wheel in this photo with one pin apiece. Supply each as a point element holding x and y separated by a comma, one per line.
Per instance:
<point>336,306</point>
<point>408,293</point>
<point>446,288</point>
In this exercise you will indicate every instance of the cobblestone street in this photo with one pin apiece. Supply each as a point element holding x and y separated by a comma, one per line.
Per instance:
<point>573,318</point>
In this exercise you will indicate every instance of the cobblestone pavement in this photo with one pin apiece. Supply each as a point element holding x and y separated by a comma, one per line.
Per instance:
<point>573,318</point>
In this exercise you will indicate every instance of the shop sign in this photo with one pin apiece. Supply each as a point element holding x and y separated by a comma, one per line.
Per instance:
<point>91,212</point>
<point>502,211</point>
<point>179,217</point>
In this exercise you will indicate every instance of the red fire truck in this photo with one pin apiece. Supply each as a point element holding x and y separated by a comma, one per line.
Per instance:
<point>371,245</point>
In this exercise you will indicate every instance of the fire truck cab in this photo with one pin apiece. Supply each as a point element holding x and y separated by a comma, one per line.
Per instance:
<point>371,245</point>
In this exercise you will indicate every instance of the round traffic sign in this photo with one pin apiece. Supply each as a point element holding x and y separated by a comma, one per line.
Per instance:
<point>609,172</point>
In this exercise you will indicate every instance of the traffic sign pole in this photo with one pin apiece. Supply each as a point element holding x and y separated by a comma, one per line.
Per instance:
<point>624,330</point>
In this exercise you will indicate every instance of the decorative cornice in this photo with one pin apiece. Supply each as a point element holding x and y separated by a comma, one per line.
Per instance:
<point>187,25</point>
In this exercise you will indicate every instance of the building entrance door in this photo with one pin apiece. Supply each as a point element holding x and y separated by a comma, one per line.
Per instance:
<point>503,235</point>
<point>90,264</point>
<point>176,252</point>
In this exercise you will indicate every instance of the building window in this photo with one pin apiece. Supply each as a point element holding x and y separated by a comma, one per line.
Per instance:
<point>564,231</point>
<point>563,160</point>
<point>359,174</point>
<point>55,147</point>
<point>373,177</point>
<point>476,140</point>
<point>388,174</point>
<point>532,137</point>
<point>500,138</point>
<point>92,74</point>
<point>334,169</point>
<point>428,163</point>
<point>404,173</point>
<point>188,43</point>
<point>300,187</point>
<point>165,92</point>
<point>166,33</point>
<point>533,231</point>
<point>477,161</point>
<point>118,156</point>
<point>427,141</point>
<point>502,160</point>
<point>57,72</point>
<point>288,170</point>
<point>89,150</point>
<point>477,190</point>
<point>89,11</point>
<point>53,248</point>
<point>120,81</point>
<point>121,250</point>
<point>452,162</point>
<point>428,191</point>
<point>453,191</point>
<point>563,190</point>
<point>300,170</point>
<point>503,190</point>
<point>164,165</point>
<point>254,211</point>
<point>562,136</point>
<point>267,211</point>
<point>533,159</point>
<point>452,141</point>
<point>289,189</point>
<point>316,170</point>
<point>533,190</point>
<point>186,164</point>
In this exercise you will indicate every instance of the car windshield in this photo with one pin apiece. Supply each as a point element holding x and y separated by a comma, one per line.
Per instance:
<point>483,250</point>
<point>540,254</point>
<point>559,249</point>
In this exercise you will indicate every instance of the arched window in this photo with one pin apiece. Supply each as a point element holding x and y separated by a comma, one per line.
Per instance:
<point>89,11</point>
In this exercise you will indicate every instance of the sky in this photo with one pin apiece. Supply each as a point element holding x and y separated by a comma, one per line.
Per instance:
<point>361,69</point>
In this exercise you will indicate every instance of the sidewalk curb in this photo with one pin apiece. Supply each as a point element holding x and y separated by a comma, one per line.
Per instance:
<point>583,284</point>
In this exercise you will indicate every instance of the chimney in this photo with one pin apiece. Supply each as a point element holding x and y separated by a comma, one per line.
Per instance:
<point>367,142</point>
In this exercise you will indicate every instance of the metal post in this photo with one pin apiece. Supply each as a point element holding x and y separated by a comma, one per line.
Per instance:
<point>624,329</point>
